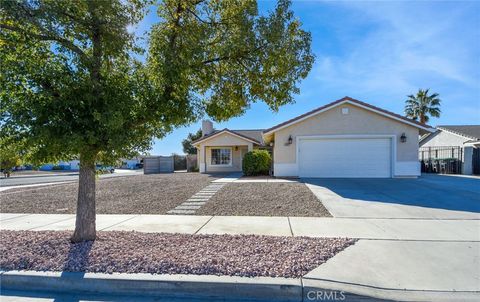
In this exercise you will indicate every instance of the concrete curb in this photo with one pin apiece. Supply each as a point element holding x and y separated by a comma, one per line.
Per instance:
<point>225,288</point>
<point>173,286</point>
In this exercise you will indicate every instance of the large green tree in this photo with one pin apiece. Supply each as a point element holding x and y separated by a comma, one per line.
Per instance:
<point>421,105</point>
<point>188,148</point>
<point>10,154</point>
<point>70,84</point>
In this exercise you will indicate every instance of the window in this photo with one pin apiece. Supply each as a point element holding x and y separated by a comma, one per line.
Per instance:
<point>221,156</point>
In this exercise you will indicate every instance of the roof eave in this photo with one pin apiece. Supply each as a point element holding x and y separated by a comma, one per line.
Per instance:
<point>353,102</point>
<point>197,142</point>
<point>457,133</point>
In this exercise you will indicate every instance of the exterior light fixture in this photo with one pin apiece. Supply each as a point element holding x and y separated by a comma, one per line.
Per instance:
<point>290,140</point>
<point>236,148</point>
<point>403,138</point>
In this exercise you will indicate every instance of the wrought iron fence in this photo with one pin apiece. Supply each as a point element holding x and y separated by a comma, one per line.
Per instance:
<point>476,161</point>
<point>444,160</point>
<point>179,162</point>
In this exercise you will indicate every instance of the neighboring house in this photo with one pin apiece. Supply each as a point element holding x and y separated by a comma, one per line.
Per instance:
<point>132,163</point>
<point>346,138</point>
<point>466,137</point>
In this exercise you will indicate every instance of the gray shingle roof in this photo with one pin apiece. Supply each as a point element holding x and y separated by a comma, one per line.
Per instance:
<point>354,101</point>
<point>255,134</point>
<point>469,131</point>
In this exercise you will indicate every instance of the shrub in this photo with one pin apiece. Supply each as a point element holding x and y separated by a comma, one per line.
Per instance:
<point>256,162</point>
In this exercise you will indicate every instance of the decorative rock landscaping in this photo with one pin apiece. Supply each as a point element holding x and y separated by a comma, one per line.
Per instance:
<point>140,194</point>
<point>257,198</point>
<point>162,253</point>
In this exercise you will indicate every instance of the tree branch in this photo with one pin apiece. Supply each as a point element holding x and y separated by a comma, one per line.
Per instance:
<point>72,17</point>
<point>47,85</point>
<point>196,16</point>
<point>243,55</point>
<point>203,21</point>
<point>49,37</point>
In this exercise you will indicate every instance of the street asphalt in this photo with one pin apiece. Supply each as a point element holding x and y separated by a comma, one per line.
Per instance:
<point>60,177</point>
<point>35,296</point>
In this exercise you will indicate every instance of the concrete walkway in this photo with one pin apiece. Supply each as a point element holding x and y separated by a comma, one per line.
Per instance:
<point>386,229</point>
<point>197,200</point>
<point>237,178</point>
<point>229,178</point>
<point>194,203</point>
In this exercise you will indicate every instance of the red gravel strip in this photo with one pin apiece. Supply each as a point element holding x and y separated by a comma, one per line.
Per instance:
<point>162,253</point>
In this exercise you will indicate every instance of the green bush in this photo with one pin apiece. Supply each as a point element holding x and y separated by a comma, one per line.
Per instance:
<point>256,162</point>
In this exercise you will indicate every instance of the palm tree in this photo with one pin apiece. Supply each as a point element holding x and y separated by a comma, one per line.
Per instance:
<point>421,105</point>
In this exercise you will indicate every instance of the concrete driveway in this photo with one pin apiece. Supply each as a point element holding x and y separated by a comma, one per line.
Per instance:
<point>427,197</point>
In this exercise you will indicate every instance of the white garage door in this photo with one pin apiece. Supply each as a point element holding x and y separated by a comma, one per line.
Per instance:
<point>345,157</point>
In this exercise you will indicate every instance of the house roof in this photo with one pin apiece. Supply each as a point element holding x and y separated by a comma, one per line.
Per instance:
<point>354,102</point>
<point>469,131</point>
<point>254,136</point>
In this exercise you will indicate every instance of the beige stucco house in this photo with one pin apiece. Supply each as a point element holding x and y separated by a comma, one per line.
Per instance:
<point>223,150</point>
<point>346,138</point>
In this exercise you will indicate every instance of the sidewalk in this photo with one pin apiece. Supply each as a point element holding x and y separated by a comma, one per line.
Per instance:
<point>386,229</point>
<point>395,259</point>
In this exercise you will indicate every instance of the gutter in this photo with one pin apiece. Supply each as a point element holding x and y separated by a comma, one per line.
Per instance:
<point>148,285</point>
<point>210,287</point>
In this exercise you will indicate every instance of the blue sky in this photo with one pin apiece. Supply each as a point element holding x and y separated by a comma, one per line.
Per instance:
<point>377,52</point>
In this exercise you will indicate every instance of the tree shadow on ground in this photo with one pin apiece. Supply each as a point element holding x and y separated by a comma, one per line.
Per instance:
<point>74,269</point>
<point>429,191</point>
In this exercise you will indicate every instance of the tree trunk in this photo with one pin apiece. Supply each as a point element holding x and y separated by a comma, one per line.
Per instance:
<point>422,118</point>
<point>85,221</point>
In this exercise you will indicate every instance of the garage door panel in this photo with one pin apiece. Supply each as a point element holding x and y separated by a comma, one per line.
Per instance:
<point>345,157</point>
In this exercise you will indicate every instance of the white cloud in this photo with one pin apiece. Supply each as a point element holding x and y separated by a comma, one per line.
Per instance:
<point>410,45</point>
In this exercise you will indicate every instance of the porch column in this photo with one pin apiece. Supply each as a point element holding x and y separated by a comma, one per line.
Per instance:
<point>202,159</point>
<point>205,158</point>
<point>250,146</point>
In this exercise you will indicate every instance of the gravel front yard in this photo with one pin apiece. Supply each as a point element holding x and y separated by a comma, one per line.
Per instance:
<point>161,253</point>
<point>141,194</point>
<point>264,199</point>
